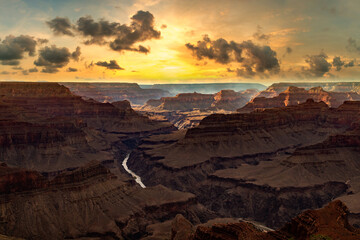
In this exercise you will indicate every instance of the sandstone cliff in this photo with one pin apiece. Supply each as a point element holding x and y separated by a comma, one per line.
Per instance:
<point>294,95</point>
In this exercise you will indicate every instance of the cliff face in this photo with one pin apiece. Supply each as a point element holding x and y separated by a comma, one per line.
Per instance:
<point>294,95</point>
<point>188,109</point>
<point>112,92</point>
<point>330,222</point>
<point>228,100</point>
<point>43,126</point>
<point>276,88</point>
<point>89,201</point>
<point>253,161</point>
<point>186,101</point>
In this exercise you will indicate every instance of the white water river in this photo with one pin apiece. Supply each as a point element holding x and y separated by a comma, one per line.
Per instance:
<point>137,178</point>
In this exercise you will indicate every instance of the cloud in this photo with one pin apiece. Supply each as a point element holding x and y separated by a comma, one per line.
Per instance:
<point>288,51</point>
<point>119,37</point>
<point>10,62</point>
<point>4,72</point>
<point>50,70</point>
<point>76,54</point>
<point>318,65</point>
<point>141,29</point>
<point>337,63</point>
<point>97,31</point>
<point>352,45</point>
<point>52,58</point>
<point>14,48</point>
<point>350,64</point>
<point>219,50</point>
<point>70,69</point>
<point>32,70</point>
<point>260,36</point>
<point>113,65</point>
<point>253,59</point>
<point>17,68</point>
<point>61,26</point>
<point>42,40</point>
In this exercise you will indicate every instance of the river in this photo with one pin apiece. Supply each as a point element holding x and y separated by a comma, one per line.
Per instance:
<point>137,178</point>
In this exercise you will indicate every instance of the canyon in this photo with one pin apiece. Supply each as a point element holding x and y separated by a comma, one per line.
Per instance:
<point>270,164</point>
<point>186,110</point>
<point>76,167</point>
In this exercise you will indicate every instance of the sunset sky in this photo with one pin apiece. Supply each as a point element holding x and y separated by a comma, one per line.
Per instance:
<point>179,41</point>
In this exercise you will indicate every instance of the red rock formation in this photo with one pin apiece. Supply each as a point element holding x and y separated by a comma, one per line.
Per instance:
<point>294,95</point>
<point>329,222</point>
<point>18,180</point>
<point>230,100</point>
<point>276,88</point>
<point>225,100</point>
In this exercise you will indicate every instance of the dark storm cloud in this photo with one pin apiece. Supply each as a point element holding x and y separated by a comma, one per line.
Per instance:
<point>61,26</point>
<point>219,50</point>
<point>352,45</point>
<point>337,63</point>
<point>318,65</point>
<point>14,48</point>
<point>113,65</point>
<point>70,69</point>
<point>262,58</point>
<point>97,31</point>
<point>52,58</point>
<point>253,58</point>
<point>10,62</point>
<point>141,29</point>
<point>119,37</point>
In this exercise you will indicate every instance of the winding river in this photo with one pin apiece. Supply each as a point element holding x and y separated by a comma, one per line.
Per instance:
<point>137,178</point>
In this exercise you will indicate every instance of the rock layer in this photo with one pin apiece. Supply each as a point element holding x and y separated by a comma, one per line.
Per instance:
<point>294,95</point>
<point>249,160</point>
<point>330,222</point>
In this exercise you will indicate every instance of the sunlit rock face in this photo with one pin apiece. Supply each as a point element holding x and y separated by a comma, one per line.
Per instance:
<point>294,95</point>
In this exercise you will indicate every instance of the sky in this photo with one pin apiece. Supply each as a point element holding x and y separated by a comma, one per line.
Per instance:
<point>179,41</point>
